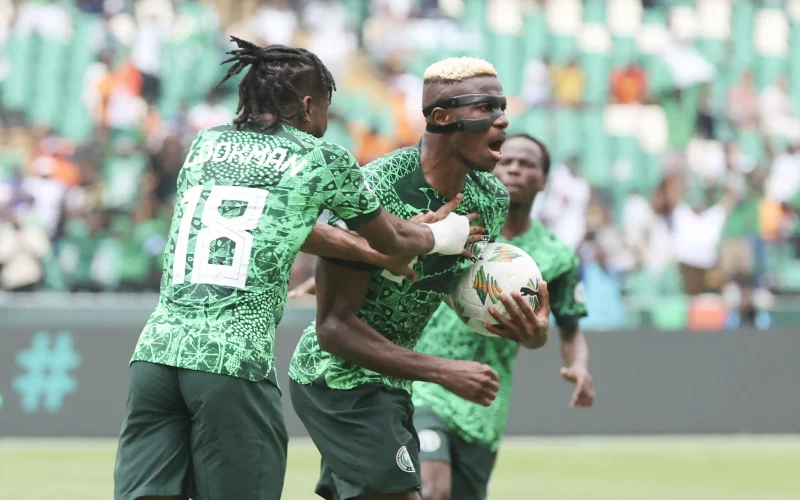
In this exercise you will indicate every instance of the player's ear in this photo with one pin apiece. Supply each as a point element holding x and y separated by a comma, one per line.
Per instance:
<point>440,116</point>
<point>307,106</point>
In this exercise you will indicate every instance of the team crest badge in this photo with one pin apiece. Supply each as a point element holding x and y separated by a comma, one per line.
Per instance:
<point>477,247</point>
<point>404,460</point>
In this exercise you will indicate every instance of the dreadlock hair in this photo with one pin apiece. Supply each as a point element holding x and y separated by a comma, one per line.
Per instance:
<point>276,77</point>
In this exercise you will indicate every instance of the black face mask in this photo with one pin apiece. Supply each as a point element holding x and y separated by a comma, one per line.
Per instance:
<point>496,102</point>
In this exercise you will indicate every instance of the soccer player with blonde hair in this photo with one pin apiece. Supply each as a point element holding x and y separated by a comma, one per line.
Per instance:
<point>352,371</point>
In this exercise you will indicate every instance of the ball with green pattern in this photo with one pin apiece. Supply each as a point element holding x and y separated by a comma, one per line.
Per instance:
<point>500,268</point>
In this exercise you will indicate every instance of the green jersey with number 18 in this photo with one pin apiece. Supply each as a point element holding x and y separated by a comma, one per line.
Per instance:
<point>447,337</point>
<point>247,200</point>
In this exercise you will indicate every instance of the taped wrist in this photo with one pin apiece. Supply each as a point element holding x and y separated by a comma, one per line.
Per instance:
<point>450,234</point>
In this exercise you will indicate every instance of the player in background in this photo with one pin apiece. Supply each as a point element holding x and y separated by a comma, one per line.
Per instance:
<point>203,416</point>
<point>458,438</point>
<point>352,370</point>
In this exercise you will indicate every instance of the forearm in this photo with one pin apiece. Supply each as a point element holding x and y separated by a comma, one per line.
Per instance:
<point>574,348</point>
<point>335,243</point>
<point>409,238</point>
<point>536,342</point>
<point>332,242</point>
<point>353,340</point>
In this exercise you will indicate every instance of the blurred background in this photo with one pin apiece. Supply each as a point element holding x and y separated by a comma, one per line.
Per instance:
<point>674,126</point>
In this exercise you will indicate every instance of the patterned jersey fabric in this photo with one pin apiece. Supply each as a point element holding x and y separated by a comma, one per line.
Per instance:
<point>447,337</point>
<point>400,309</point>
<point>247,200</point>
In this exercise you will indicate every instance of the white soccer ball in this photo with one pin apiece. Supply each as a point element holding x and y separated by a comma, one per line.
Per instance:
<point>500,268</point>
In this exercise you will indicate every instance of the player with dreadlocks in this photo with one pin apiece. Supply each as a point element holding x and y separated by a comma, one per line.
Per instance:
<point>203,417</point>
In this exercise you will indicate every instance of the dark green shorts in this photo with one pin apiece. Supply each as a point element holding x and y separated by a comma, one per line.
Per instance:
<point>471,464</point>
<point>195,434</point>
<point>365,435</point>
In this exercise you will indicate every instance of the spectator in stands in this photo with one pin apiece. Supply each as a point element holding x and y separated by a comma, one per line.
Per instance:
<point>209,113</point>
<point>628,85</point>
<point>777,118</point>
<point>275,23</point>
<point>742,102</point>
<point>566,202</point>
<point>153,20</point>
<point>568,83</point>
<point>697,227</point>
<point>331,36</point>
<point>536,86</point>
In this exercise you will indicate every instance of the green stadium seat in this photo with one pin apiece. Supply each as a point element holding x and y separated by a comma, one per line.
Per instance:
<point>596,68</point>
<point>715,51</point>
<point>563,49</point>
<point>506,56</point>
<point>76,122</point>
<point>744,12</point>
<point>768,69</point>
<point>48,75</point>
<point>535,35</point>
<point>537,122</point>
<point>751,144</point>
<point>670,313</point>
<point>793,66</point>
<point>566,142</point>
<point>16,90</point>
<point>596,154</point>
<point>594,11</point>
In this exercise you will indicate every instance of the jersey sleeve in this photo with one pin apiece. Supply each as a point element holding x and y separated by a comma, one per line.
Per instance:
<point>336,221</point>
<point>346,194</point>
<point>567,296</point>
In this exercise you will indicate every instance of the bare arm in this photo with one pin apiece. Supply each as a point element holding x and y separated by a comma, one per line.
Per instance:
<point>446,234</point>
<point>391,235</point>
<point>574,348</point>
<point>575,352</point>
<point>341,292</point>
<point>329,241</point>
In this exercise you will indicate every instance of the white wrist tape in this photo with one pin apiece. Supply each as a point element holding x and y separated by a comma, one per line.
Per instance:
<point>450,234</point>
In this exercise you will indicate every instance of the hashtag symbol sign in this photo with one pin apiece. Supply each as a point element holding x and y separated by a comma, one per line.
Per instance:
<point>46,379</point>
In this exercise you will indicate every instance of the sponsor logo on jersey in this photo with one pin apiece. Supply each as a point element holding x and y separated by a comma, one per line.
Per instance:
<point>429,441</point>
<point>404,460</point>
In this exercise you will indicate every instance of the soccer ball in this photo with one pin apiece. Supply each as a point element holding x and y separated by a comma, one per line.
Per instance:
<point>500,268</point>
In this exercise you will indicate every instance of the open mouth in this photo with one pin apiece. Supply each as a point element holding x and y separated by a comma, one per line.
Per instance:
<point>495,144</point>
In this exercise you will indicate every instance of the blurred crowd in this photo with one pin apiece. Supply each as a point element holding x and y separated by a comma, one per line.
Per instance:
<point>674,126</point>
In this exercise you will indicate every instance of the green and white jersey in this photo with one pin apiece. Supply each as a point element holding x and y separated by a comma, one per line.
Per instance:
<point>247,200</point>
<point>447,337</point>
<point>400,309</point>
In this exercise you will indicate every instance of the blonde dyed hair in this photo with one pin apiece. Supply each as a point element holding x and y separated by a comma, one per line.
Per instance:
<point>456,69</point>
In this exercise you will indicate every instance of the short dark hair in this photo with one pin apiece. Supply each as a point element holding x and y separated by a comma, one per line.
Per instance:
<point>277,74</point>
<point>545,152</point>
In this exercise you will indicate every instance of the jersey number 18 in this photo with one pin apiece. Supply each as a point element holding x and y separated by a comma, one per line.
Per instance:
<point>215,226</point>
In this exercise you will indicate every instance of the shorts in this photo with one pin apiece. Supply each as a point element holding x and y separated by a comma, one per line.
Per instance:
<point>471,464</point>
<point>194,434</point>
<point>365,435</point>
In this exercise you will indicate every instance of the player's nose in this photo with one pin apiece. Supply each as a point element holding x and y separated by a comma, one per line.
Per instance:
<point>501,122</point>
